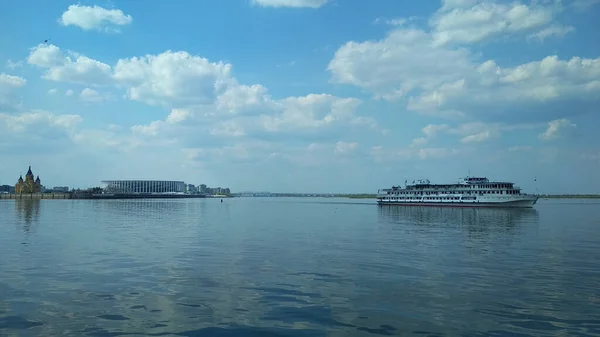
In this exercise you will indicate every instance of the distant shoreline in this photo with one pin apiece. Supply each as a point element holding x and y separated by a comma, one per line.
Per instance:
<point>569,196</point>
<point>542,196</point>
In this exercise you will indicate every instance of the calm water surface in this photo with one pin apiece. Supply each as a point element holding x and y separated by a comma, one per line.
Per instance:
<point>297,267</point>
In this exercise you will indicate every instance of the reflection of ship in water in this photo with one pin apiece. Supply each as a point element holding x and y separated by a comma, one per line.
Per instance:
<point>28,211</point>
<point>476,219</point>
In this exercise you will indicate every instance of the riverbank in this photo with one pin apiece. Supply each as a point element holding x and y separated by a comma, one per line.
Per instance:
<point>361,196</point>
<point>111,196</point>
<point>35,196</point>
<point>542,196</point>
<point>569,196</point>
<point>83,195</point>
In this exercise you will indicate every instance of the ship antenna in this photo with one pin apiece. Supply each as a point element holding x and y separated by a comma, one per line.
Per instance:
<point>536,186</point>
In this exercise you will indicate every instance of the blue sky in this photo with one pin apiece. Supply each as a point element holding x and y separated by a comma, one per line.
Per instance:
<point>302,95</point>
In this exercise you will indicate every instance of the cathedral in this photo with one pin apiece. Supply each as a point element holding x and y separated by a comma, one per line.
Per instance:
<point>28,185</point>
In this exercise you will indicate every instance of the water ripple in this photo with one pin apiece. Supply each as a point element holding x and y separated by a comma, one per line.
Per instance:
<point>296,267</point>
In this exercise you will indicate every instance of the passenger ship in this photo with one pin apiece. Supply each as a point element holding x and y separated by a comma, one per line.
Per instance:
<point>467,192</point>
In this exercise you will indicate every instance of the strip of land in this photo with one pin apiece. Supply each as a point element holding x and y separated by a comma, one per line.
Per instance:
<point>542,196</point>
<point>570,196</point>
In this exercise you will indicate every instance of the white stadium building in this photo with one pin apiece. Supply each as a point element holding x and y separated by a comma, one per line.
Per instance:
<point>143,186</point>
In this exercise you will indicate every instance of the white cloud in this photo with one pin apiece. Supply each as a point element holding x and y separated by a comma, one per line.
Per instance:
<point>430,131</point>
<point>471,21</point>
<point>177,78</point>
<point>593,156</point>
<point>69,92</point>
<point>556,129</point>
<point>471,132</point>
<point>52,91</point>
<point>93,96</point>
<point>8,84</point>
<point>201,94</point>
<point>96,17</point>
<point>178,116</point>
<point>74,69</point>
<point>13,65</point>
<point>311,111</point>
<point>10,81</point>
<point>450,81</point>
<point>394,21</point>
<point>395,66</point>
<point>582,5</point>
<point>290,3</point>
<point>229,128</point>
<point>552,31</point>
<point>38,126</point>
<point>345,147</point>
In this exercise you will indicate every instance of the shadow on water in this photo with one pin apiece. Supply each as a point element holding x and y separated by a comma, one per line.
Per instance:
<point>28,211</point>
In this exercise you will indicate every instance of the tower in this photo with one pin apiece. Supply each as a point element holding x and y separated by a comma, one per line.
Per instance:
<point>29,185</point>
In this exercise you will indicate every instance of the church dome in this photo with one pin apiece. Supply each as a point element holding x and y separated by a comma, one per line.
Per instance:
<point>29,173</point>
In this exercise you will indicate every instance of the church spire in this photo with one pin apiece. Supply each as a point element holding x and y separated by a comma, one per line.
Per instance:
<point>29,173</point>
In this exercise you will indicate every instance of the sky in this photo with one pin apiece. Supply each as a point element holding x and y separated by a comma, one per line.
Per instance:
<point>343,96</point>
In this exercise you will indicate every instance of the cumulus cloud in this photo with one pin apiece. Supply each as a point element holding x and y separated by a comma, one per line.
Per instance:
<point>8,85</point>
<point>96,17</point>
<point>71,68</point>
<point>345,147</point>
<point>436,73</point>
<point>21,122</point>
<point>173,77</point>
<point>41,132</point>
<point>13,65</point>
<point>93,96</point>
<point>204,97</point>
<point>9,81</point>
<point>474,21</point>
<point>290,3</point>
<point>470,132</point>
<point>556,129</point>
<point>552,31</point>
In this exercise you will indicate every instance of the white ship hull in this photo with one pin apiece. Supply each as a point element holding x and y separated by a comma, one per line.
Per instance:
<point>467,192</point>
<point>524,201</point>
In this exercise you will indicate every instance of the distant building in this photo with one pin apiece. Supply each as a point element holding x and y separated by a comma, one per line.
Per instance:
<point>63,189</point>
<point>29,185</point>
<point>191,188</point>
<point>203,189</point>
<point>143,186</point>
